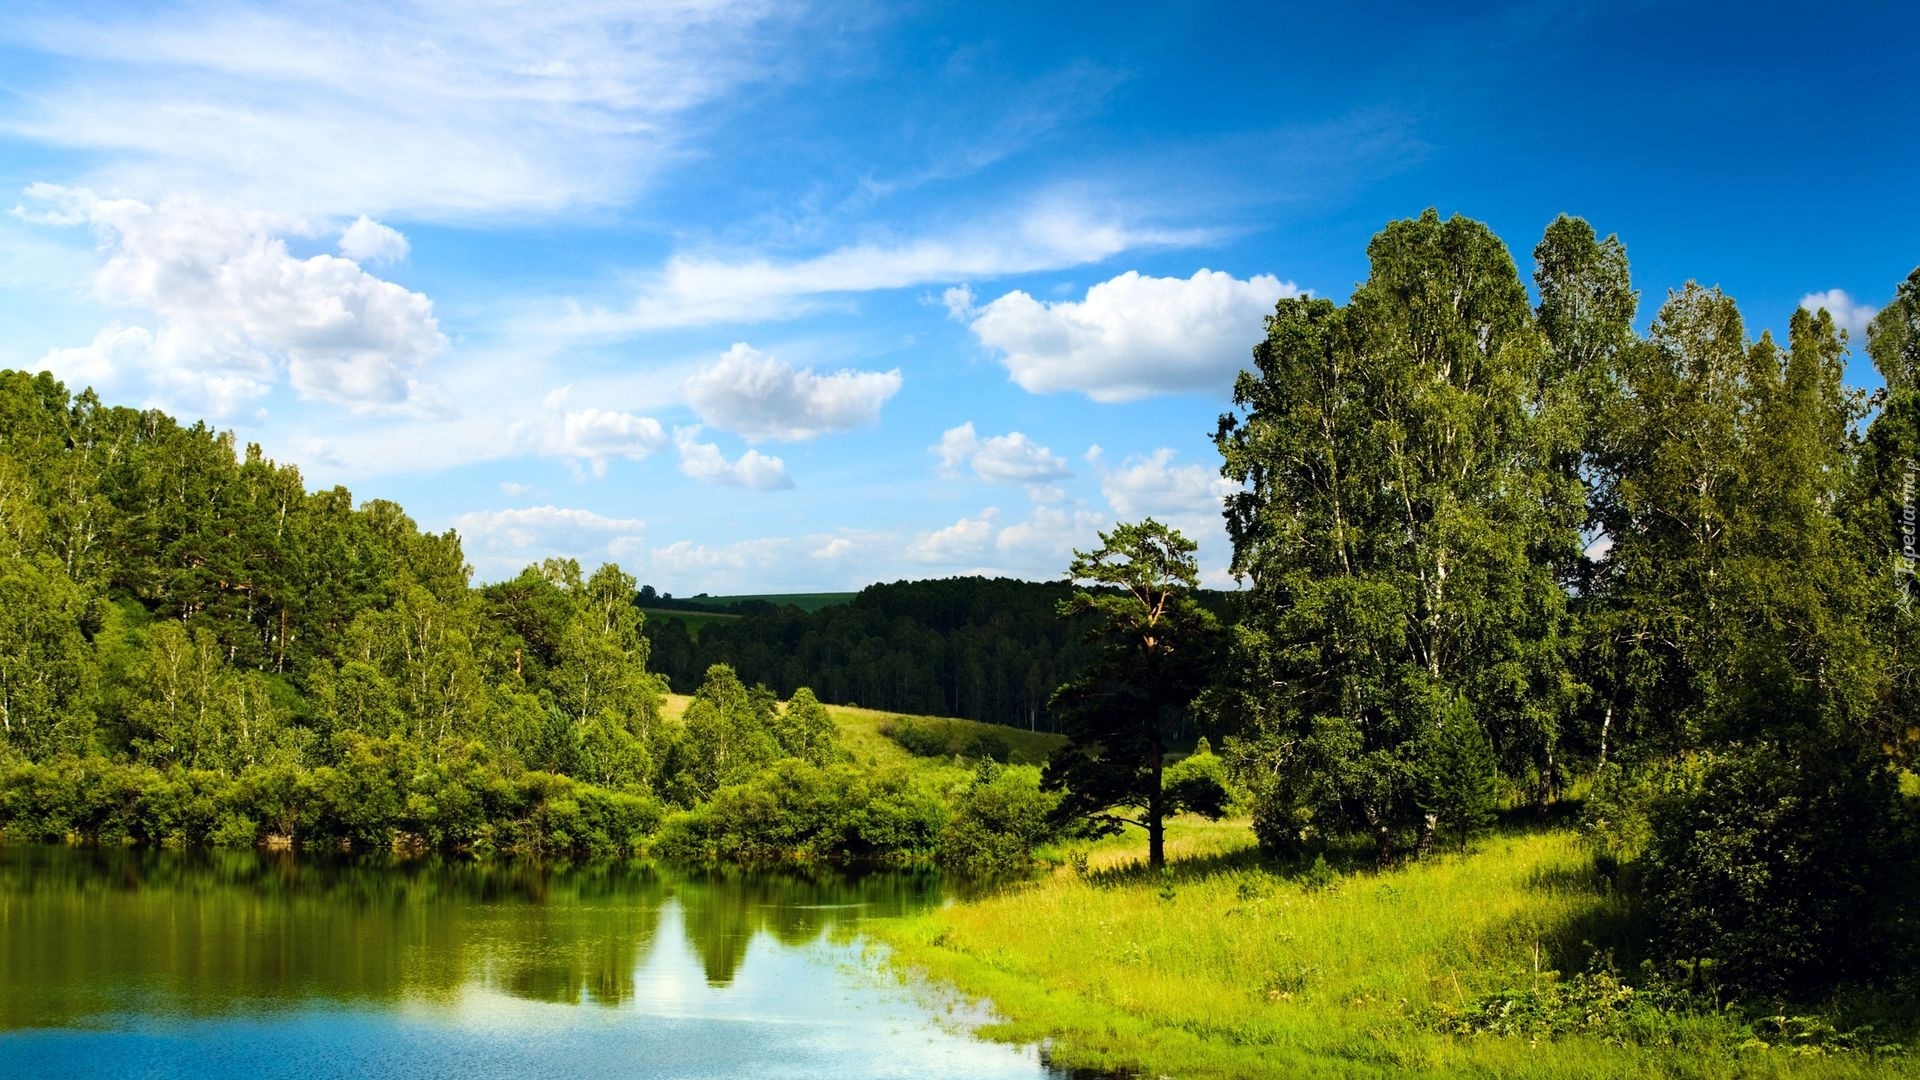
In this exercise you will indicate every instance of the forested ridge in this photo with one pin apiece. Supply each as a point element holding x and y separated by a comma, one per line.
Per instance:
<point>194,648</point>
<point>984,649</point>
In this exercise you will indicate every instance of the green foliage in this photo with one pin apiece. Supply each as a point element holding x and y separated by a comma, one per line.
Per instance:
<point>1764,870</point>
<point>946,739</point>
<point>803,729</point>
<point>1155,648</point>
<point>998,820</point>
<point>794,810</point>
<point>982,649</point>
<point>1411,509</point>
<point>1458,772</point>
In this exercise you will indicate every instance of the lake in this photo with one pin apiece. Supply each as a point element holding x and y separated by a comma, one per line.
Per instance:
<point>239,964</point>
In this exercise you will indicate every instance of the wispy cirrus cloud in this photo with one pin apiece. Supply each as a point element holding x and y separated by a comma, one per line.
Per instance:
<point>424,108</point>
<point>695,288</point>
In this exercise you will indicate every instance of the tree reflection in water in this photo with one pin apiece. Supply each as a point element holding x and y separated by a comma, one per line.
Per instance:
<point>89,933</point>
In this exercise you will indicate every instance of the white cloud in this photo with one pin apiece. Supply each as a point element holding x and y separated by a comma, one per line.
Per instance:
<point>1043,544</point>
<point>837,548</point>
<point>959,302</point>
<point>113,350</point>
<point>757,397</point>
<point>593,436</point>
<point>425,106</point>
<point>368,241</point>
<point>957,542</point>
<point>705,462</point>
<point>1133,336</point>
<point>1151,485</point>
<point>694,289</point>
<point>1009,458</point>
<point>232,308</point>
<point>742,565</point>
<point>1046,493</point>
<point>499,542</point>
<point>515,489</point>
<point>1848,313</point>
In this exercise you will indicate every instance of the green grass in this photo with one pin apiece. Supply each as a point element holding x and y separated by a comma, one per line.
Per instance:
<point>695,621</point>
<point>1226,967</point>
<point>810,601</point>
<point>860,734</point>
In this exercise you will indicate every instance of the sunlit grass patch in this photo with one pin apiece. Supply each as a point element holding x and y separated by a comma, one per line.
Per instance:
<point>1226,965</point>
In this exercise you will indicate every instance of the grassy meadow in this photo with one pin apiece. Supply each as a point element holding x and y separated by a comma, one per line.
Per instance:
<point>1227,967</point>
<point>860,732</point>
<point>811,601</point>
<point>695,621</point>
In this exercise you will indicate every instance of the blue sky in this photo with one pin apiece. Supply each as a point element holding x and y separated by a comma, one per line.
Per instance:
<point>760,297</point>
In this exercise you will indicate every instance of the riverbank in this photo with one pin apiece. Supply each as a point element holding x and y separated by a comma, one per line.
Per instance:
<point>1225,967</point>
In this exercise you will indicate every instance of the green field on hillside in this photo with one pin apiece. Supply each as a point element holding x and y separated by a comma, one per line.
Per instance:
<point>695,621</point>
<point>861,733</point>
<point>809,601</point>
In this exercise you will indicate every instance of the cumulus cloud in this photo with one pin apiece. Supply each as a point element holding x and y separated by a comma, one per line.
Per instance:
<point>418,105</point>
<point>1851,315</point>
<point>1132,336</point>
<point>1009,458</point>
<point>589,436</point>
<point>1043,545</point>
<point>232,308</point>
<point>368,241</point>
<point>705,462</point>
<point>739,565</point>
<point>1151,485</point>
<point>758,397</point>
<point>501,541</point>
<point>838,547</point>
<point>959,302</point>
<point>958,542</point>
<point>113,350</point>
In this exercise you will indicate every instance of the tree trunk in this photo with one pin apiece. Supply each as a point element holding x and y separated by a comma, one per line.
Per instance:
<point>1157,815</point>
<point>1383,845</point>
<point>1429,825</point>
<point>1543,796</point>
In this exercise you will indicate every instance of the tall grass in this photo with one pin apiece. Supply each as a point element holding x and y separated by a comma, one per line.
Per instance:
<point>1225,967</point>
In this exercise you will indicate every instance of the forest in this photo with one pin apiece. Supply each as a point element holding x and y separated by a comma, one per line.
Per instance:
<point>978,648</point>
<point>194,649</point>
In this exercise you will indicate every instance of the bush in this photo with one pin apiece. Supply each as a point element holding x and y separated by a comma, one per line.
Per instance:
<point>797,811</point>
<point>998,819</point>
<point>1763,872</point>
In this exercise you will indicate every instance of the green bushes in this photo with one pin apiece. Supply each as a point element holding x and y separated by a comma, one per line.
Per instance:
<point>381,795</point>
<point>797,811</point>
<point>933,739</point>
<point>1764,871</point>
<point>998,819</point>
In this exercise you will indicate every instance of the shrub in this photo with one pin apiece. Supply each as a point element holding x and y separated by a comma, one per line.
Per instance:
<point>998,819</point>
<point>1766,867</point>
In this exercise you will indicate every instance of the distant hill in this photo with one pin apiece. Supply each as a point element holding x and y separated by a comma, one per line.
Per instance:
<point>987,649</point>
<point>741,604</point>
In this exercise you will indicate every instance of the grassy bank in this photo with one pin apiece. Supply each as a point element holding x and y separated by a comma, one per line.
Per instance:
<point>860,731</point>
<point>1225,968</point>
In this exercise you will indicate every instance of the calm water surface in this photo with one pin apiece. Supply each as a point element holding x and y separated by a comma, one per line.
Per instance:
<point>222,964</point>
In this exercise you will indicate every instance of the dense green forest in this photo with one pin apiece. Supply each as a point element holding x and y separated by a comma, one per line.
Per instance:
<point>194,648</point>
<point>978,648</point>
<point>1483,534</point>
